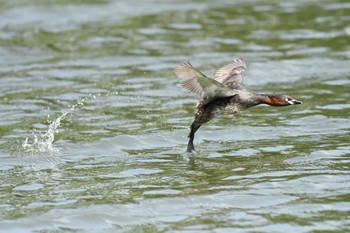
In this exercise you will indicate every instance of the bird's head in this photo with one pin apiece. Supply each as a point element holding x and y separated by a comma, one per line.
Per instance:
<point>281,100</point>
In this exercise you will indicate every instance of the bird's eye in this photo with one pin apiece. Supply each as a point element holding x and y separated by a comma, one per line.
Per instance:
<point>289,100</point>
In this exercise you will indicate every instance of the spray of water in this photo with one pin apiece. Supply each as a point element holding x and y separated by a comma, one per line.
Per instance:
<point>44,142</point>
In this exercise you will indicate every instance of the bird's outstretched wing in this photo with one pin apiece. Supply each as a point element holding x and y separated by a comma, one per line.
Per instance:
<point>231,74</point>
<point>206,88</point>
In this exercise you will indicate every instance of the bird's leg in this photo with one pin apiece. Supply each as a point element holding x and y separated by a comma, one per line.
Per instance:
<point>194,128</point>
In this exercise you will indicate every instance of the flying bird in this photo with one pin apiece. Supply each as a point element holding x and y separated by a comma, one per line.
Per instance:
<point>225,91</point>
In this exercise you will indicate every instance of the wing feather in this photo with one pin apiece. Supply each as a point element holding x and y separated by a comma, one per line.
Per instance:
<point>231,74</point>
<point>205,88</point>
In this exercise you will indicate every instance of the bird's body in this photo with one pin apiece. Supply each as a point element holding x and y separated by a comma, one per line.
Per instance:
<point>223,92</point>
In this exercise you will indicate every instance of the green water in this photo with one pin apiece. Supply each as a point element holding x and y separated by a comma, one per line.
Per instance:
<point>115,161</point>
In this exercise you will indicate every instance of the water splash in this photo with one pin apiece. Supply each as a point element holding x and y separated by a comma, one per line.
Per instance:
<point>44,142</point>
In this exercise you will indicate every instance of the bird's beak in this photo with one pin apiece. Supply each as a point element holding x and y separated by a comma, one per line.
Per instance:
<point>296,102</point>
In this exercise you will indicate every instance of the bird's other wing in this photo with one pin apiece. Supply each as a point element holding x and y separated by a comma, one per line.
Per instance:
<point>205,88</point>
<point>231,74</point>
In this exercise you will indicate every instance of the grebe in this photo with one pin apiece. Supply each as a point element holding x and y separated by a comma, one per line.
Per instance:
<point>225,91</point>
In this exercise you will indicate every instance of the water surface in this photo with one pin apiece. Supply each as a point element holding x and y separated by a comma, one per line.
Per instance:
<point>94,125</point>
